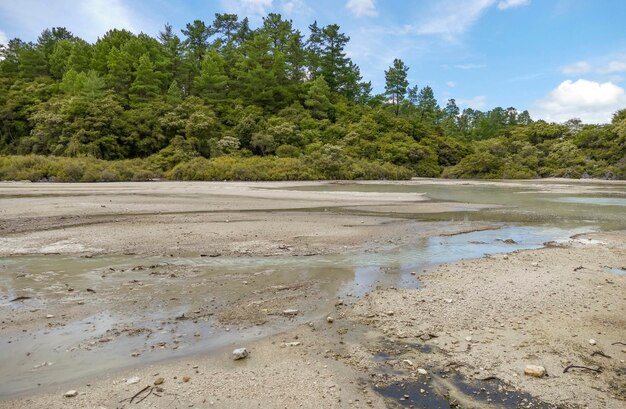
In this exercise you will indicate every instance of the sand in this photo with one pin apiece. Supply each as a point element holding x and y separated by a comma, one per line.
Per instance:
<point>477,319</point>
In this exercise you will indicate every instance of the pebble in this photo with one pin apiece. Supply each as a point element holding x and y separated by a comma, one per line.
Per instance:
<point>468,339</point>
<point>291,344</point>
<point>70,394</point>
<point>186,379</point>
<point>291,311</point>
<point>133,380</point>
<point>330,319</point>
<point>49,316</point>
<point>535,370</point>
<point>240,353</point>
<point>422,371</point>
<point>159,381</point>
<point>592,342</point>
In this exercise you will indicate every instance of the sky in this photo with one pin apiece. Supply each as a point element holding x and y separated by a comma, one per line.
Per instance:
<point>558,59</point>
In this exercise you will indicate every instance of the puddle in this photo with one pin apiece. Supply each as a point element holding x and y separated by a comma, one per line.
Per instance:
<point>596,201</point>
<point>138,299</point>
<point>457,392</point>
<point>616,270</point>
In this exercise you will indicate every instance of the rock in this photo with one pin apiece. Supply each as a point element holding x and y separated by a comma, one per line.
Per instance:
<point>330,319</point>
<point>408,362</point>
<point>390,313</point>
<point>240,353</point>
<point>592,342</point>
<point>133,380</point>
<point>291,344</point>
<point>535,370</point>
<point>422,371</point>
<point>291,312</point>
<point>468,339</point>
<point>159,381</point>
<point>49,316</point>
<point>70,394</point>
<point>509,241</point>
<point>186,379</point>
<point>425,337</point>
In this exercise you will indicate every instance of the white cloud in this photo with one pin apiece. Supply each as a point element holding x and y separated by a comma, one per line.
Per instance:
<point>469,66</point>
<point>509,4</point>
<point>451,18</point>
<point>579,67</point>
<point>478,102</point>
<point>451,84</point>
<point>614,66</point>
<point>3,38</point>
<point>591,101</point>
<point>291,7</point>
<point>87,19</point>
<point>362,8</point>
<point>248,8</point>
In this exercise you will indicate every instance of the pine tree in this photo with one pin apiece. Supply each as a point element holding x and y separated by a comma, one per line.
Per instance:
<point>396,83</point>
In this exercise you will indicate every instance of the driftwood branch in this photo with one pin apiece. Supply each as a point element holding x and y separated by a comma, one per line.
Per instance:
<point>568,367</point>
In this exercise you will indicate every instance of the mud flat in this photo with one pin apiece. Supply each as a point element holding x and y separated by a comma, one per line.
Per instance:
<point>109,287</point>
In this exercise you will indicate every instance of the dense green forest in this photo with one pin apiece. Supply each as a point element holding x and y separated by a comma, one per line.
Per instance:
<point>226,101</point>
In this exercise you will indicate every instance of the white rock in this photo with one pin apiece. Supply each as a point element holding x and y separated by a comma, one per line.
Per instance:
<point>330,319</point>
<point>292,344</point>
<point>49,316</point>
<point>70,394</point>
<point>468,339</point>
<point>240,353</point>
<point>422,371</point>
<point>592,342</point>
<point>133,380</point>
<point>291,311</point>
<point>535,370</point>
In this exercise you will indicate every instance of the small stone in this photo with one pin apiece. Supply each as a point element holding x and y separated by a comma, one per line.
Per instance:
<point>390,312</point>
<point>240,353</point>
<point>413,273</point>
<point>49,316</point>
<point>70,394</point>
<point>408,362</point>
<point>330,319</point>
<point>535,370</point>
<point>135,354</point>
<point>186,379</point>
<point>592,342</point>
<point>422,371</point>
<point>133,380</point>
<point>292,344</point>
<point>159,381</point>
<point>468,339</point>
<point>449,300</point>
<point>291,312</point>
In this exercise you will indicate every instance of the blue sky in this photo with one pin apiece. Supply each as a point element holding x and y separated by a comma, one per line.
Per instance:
<point>557,58</point>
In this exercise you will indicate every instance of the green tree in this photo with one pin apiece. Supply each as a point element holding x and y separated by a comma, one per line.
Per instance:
<point>396,83</point>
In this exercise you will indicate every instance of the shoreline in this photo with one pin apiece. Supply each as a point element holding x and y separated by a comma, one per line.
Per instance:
<point>364,349</point>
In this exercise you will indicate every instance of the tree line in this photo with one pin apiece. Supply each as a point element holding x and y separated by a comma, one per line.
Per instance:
<point>228,101</point>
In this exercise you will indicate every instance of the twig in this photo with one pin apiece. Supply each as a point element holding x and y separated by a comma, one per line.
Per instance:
<point>600,353</point>
<point>618,343</point>
<point>489,378</point>
<point>135,395</point>
<point>147,394</point>
<point>568,367</point>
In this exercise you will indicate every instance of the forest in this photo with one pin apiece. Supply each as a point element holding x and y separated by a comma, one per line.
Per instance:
<point>224,101</point>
